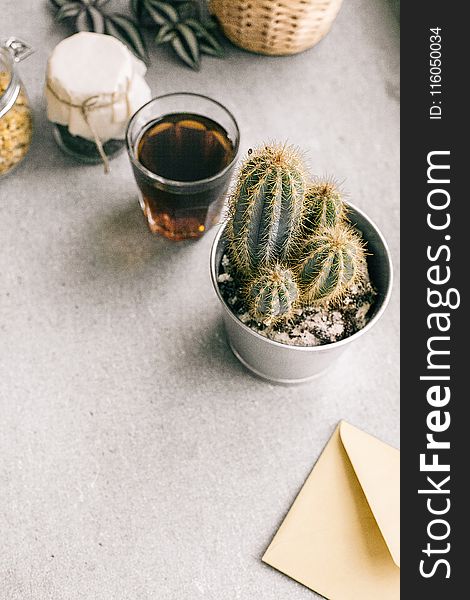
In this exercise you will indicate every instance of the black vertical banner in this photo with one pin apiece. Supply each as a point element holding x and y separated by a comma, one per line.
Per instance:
<point>435,269</point>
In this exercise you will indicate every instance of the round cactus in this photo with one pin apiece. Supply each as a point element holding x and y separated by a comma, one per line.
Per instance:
<point>273,294</point>
<point>266,208</point>
<point>324,206</point>
<point>333,260</point>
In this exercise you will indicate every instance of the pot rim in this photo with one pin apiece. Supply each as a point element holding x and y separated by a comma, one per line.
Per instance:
<point>322,347</point>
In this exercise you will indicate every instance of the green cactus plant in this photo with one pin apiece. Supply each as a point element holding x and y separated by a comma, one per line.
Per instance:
<point>266,207</point>
<point>273,294</point>
<point>290,243</point>
<point>324,206</point>
<point>332,261</point>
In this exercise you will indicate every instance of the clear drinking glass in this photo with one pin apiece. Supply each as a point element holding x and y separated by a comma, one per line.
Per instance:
<point>182,148</point>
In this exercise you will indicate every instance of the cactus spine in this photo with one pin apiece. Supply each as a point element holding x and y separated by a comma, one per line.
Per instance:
<point>290,244</point>
<point>273,294</point>
<point>266,207</point>
<point>333,261</point>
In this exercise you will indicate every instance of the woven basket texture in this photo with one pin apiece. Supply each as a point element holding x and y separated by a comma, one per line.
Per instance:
<point>275,27</point>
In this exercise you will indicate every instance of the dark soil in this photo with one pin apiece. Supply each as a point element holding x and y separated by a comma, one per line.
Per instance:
<point>79,145</point>
<point>311,325</point>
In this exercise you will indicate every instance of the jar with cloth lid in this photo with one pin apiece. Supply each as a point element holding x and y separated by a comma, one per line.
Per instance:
<point>15,113</point>
<point>93,86</point>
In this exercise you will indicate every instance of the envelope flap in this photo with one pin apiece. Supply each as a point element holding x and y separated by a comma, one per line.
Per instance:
<point>377,466</point>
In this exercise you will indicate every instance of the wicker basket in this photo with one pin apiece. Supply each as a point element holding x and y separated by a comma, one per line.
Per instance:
<point>275,27</point>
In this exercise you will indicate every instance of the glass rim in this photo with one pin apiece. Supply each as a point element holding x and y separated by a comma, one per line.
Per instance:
<point>175,182</point>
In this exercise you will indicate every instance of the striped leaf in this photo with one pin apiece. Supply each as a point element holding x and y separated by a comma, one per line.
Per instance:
<point>165,34</point>
<point>82,22</point>
<point>127,32</point>
<point>190,42</point>
<point>210,44</point>
<point>182,52</point>
<point>206,48</point>
<point>161,12</point>
<point>68,9</point>
<point>97,19</point>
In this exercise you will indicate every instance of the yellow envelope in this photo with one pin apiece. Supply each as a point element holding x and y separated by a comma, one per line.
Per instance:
<point>341,536</point>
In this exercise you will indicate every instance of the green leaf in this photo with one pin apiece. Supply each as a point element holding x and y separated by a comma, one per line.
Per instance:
<point>97,19</point>
<point>156,16</point>
<point>208,49</point>
<point>165,34</point>
<point>111,29</point>
<point>210,40</point>
<point>189,39</point>
<point>178,47</point>
<point>161,12</point>
<point>126,31</point>
<point>69,9</point>
<point>184,48</point>
<point>82,22</point>
<point>99,3</point>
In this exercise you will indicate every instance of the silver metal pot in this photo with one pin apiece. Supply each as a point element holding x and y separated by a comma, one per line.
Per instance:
<point>284,364</point>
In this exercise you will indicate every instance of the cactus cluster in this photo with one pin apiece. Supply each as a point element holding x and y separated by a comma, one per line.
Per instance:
<point>289,237</point>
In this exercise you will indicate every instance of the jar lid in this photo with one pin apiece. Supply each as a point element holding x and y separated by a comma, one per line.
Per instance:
<point>94,84</point>
<point>12,51</point>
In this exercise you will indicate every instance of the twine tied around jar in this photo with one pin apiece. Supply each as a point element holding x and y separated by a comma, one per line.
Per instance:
<point>89,105</point>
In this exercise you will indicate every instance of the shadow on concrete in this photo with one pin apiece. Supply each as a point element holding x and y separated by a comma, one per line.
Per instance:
<point>125,241</point>
<point>45,154</point>
<point>208,361</point>
<point>118,248</point>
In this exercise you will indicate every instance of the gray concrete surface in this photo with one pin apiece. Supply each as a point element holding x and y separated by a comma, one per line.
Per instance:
<point>138,459</point>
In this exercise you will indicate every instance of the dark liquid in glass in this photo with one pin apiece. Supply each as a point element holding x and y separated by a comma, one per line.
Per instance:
<point>183,147</point>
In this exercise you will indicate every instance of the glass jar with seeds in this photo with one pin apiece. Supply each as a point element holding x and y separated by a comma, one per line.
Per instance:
<point>15,113</point>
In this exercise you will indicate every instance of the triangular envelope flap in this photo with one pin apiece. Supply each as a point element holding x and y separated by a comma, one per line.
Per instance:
<point>377,466</point>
